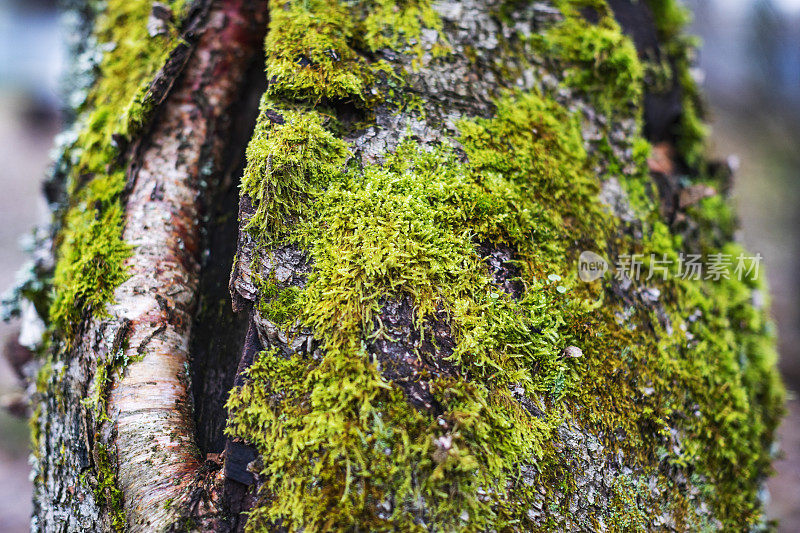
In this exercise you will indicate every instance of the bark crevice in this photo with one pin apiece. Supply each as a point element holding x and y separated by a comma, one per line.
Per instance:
<point>219,332</point>
<point>160,470</point>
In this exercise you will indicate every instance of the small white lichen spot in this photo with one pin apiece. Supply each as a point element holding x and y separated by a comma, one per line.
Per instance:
<point>573,352</point>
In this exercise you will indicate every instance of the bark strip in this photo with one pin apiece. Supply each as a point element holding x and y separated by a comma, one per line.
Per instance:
<point>151,403</point>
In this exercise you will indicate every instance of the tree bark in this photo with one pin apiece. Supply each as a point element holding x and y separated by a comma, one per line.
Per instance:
<point>388,301</point>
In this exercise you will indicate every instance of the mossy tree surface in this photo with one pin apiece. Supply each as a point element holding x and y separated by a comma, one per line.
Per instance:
<point>415,200</point>
<point>115,61</point>
<point>420,182</point>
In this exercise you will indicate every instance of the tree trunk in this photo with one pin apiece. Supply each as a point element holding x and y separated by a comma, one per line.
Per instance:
<point>326,265</point>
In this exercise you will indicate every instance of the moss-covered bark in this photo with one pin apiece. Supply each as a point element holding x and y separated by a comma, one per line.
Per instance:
<point>417,370</point>
<point>419,185</point>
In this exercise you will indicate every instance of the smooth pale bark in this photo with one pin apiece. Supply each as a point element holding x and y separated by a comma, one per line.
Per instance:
<point>151,403</point>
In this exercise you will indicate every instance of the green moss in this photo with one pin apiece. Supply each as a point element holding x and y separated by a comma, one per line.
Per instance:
<point>627,511</point>
<point>43,377</point>
<point>104,377</point>
<point>279,305</point>
<point>600,60</point>
<point>35,428</point>
<point>309,54</point>
<point>315,48</point>
<point>668,388</point>
<point>106,489</point>
<point>410,227</point>
<point>291,156</point>
<point>729,369</point>
<point>90,265</point>
<point>91,252</point>
<point>399,25</point>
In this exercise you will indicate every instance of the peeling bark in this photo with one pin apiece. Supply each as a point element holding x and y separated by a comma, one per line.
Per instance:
<point>151,403</point>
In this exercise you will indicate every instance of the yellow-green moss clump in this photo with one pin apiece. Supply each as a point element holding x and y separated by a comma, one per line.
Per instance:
<point>315,48</point>
<point>90,251</point>
<point>290,157</point>
<point>309,53</point>
<point>279,306</point>
<point>106,488</point>
<point>600,60</point>
<point>682,388</point>
<point>399,25</point>
<point>336,438</point>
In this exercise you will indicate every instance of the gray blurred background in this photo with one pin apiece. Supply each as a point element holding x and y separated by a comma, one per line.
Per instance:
<point>30,57</point>
<point>750,66</point>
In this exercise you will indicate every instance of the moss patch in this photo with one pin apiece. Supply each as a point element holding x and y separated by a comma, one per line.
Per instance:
<point>410,226</point>
<point>280,306</point>
<point>106,490</point>
<point>601,61</point>
<point>308,51</point>
<point>90,248</point>
<point>399,25</point>
<point>681,387</point>
<point>290,157</point>
<point>316,49</point>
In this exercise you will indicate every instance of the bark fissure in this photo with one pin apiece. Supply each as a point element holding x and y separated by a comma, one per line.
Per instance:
<point>218,332</point>
<point>150,404</point>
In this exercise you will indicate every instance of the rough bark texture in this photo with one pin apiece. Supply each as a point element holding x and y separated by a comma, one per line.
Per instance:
<point>405,344</point>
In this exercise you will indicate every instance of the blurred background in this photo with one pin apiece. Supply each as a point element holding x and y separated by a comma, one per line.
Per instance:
<point>750,67</point>
<point>31,53</point>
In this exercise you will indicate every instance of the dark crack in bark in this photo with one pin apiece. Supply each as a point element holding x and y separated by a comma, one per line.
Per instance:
<point>501,262</point>
<point>410,356</point>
